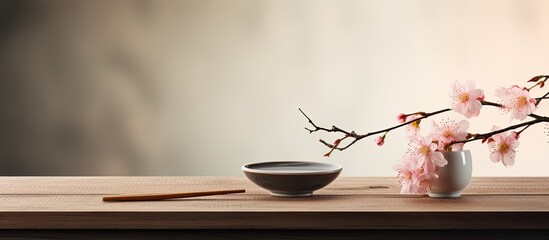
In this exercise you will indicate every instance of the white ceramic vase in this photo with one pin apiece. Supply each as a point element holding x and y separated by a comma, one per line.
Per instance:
<point>453,177</point>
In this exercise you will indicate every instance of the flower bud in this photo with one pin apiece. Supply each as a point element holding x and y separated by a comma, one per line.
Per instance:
<point>535,79</point>
<point>401,117</point>
<point>515,135</point>
<point>379,141</point>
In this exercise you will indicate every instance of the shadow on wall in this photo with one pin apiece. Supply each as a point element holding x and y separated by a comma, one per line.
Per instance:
<point>78,91</point>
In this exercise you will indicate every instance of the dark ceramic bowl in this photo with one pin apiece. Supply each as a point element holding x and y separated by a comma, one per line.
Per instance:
<point>291,178</point>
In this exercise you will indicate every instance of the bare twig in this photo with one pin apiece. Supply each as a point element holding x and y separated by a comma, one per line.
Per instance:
<point>487,103</point>
<point>538,100</point>
<point>317,128</point>
<point>522,130</point>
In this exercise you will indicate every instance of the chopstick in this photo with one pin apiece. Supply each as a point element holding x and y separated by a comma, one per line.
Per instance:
<point>162,196</point>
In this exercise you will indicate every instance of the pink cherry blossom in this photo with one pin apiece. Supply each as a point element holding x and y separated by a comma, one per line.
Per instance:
<point>380,140</point>
<point>517,101</point>
<point>466,99</point>
<point>425,151</point>
<point>413,180</point>
<point>449,131</point>
<point>503,147</point>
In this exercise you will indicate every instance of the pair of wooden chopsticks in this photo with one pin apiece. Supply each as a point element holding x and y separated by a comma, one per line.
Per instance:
<point>159,196</point>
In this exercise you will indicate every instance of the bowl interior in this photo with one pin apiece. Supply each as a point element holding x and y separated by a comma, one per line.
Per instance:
<point>292,168</point>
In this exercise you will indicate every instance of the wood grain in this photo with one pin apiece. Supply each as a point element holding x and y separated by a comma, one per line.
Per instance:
<point>348,203</point>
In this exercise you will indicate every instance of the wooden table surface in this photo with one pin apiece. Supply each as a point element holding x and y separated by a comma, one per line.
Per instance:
<point>347,203</point>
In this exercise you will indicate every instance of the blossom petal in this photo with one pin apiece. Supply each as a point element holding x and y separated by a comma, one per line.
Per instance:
<point>477,93</point>
<point>457,147</point>
<point>509,158</point>
<point>438,159</point>
<point>462,126</point>
<point>433,147</point>
<point>495,156</point>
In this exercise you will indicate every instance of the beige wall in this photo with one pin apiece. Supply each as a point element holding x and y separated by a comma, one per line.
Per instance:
<point>202,87</point>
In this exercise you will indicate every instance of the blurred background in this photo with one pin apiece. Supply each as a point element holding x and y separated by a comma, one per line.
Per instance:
<point>200,87</point>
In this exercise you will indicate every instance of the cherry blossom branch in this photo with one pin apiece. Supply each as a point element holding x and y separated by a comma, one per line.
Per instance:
<point>539,80</point>
<point>539,83</point>
<point>485,136</point>
<point>356,137</point>
<point>522,130</point>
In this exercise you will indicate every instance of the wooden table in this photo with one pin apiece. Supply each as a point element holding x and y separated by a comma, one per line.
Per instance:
<point>349,208</point>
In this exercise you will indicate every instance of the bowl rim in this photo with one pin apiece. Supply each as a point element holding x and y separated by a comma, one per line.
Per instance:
<point>337,169</point>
